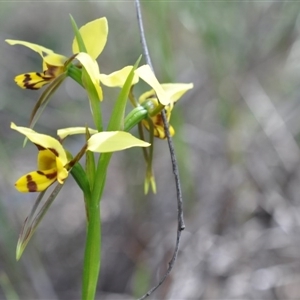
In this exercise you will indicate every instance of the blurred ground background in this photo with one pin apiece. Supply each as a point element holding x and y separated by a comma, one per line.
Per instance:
<point>237,141</point>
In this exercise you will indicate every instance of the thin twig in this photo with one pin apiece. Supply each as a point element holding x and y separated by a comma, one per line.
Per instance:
<point>181,225</point>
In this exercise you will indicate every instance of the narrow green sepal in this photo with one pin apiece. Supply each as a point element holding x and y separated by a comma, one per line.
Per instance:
<point>117,117</point>
<point>78,36</point>
<point>31,222</point>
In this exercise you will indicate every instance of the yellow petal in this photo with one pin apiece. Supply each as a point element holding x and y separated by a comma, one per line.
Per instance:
<point>46,160</point>
<point>64,132</point>
<point>45,141</point>
<point>94,35</point>
<point>54,59</point>
<point>118,78</point>
<point>176,90</point>
<point>37,48</point>
<point>62,172</point>
<point>111,141</point>
<point>92,69</point>
<point>33,80</point>
<point>36,181</point>
<point>148,76</point>
<point>49,57</point>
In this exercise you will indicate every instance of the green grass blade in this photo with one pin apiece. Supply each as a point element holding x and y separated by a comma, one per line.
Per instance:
<point>117,117</point>
<point>78,36</point>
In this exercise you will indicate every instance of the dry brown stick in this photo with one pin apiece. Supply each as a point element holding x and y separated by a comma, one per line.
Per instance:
<point>181,225</point>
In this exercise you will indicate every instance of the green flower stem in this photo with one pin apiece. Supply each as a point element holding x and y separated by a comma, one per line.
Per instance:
<point>75,73</point>
<point>101,176</point>
<point>92,255</point>
<point>132,98</point>
<point>142,136</point>
<point>81,179</point>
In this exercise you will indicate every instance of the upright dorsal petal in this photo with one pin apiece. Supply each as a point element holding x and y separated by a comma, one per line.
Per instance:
<point>94,35</point>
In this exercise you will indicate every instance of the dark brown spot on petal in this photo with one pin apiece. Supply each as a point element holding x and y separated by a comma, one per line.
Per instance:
<point>31,185</point>
<point>48,176</point>
<point>40,148</point>
<point>27,79</point>
<point>54,71</point>
<point>54,151</point>
<point>151,95</point>
<point>158,120</point>
<point>36,83</point>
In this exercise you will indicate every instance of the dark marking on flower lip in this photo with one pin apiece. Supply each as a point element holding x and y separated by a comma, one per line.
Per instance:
<point>48,176</point>
<point>54,151</point>
<point>158,120</point>
<point>31,185</point>
<point>35,83</point>
<point>27,79</point>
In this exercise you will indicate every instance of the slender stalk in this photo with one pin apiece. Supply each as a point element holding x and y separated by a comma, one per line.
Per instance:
<point>142,136</point>
<point>92,255</point>
<point>181,225</point>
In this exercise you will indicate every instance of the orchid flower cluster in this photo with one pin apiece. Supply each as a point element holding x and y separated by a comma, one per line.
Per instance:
<point>55,163</point>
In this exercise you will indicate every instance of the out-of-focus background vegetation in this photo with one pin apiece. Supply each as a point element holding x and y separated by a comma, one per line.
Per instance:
<point>237,141</point>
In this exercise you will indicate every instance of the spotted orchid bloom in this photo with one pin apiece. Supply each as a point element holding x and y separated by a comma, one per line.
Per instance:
<point>174,92</point>
<point>51,162</point>
<point>55,64</point>
<point>165,95</point>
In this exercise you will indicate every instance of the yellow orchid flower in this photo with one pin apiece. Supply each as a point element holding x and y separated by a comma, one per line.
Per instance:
<point>52,159</point>
<point>118,78</point>
<point>158,125</point>
<point>94,35</point>
<point>165,94</point>
<point>173,92</point>
<point>51,162</point>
